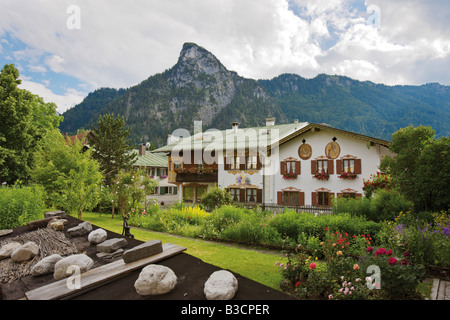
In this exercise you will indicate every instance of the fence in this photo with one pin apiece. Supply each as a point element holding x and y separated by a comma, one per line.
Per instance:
<point>318,210</point>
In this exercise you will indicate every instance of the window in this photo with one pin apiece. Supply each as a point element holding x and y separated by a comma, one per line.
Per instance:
<point>322,198</point>
<point>290,167</point>
<point>252,162</point>
<point>348,165</point>
<point>322,166</point>
<point>291,198</point>
<point>235,194</point>
<point>235,163</point>
<point>251,195</point>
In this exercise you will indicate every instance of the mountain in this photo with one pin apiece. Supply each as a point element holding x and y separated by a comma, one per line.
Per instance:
<point>373,109</point>
<point>199,87</point>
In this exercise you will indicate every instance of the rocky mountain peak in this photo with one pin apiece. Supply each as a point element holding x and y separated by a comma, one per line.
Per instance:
<point>195,58</point>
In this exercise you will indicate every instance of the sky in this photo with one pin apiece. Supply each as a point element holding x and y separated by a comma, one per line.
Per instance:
<point>65,49</point>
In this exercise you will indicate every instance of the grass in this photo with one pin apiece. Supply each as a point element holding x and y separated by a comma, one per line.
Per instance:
<point>251,263</point>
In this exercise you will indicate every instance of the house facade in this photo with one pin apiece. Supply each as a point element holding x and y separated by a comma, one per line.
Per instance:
<point>294,165</point>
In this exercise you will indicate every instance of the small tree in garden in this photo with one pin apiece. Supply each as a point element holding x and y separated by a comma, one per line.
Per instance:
<point>421,167</point>
<point>131,188</point>
<point>70,176</point>
<point>216,197</point>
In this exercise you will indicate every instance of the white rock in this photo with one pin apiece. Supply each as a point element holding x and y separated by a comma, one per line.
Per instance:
<point>81,229</point>
<point>221,285</point>
<point>81,261</point>
<point>46,265</point>
<point>25,252</point>
<point>97,236</point>
<point>155,279</point>
<point>7,249</point>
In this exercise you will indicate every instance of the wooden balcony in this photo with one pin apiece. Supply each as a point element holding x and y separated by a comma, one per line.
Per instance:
<point>196,177</point>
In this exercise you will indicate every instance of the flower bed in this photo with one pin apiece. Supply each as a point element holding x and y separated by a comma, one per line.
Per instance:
<point>321,176</point>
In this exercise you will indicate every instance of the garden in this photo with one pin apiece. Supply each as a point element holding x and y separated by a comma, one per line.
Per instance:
<point>381,246</point>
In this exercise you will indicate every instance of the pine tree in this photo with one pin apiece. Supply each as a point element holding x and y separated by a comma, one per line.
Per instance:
<point>111,146</point>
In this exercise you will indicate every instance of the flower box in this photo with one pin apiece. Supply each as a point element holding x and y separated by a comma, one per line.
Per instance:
<point>322,176</point>
<point>290,176</point>
<point>348,176</point>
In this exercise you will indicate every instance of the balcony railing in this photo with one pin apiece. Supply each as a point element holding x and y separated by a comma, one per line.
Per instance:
<point>196,177</point>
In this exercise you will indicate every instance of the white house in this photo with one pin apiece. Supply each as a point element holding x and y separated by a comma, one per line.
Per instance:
<point>294,164</point>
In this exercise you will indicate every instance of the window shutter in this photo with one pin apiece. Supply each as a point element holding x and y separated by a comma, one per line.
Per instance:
<point>297,167</point>
<point>313,166</point>
<point>358,166</point>
<point>241,195</point>
<point>258,163</point>
<point>358,195</point>
<point>227,163</point>
<point>282,167</point>
<point>330,166</point>
<point>279,197</point>
<point>314,198</point>
<point>301,198</point>
<point>338,166</point>
<point>259,195</point>
<point>330,198</point>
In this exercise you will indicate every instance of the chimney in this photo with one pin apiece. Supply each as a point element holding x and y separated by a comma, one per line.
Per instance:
<point>295,120</point>
<point>270,122</point>
<point>235,126</point>
<point>142,150</point>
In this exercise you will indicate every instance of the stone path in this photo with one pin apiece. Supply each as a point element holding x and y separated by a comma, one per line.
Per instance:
<point>441,290</point>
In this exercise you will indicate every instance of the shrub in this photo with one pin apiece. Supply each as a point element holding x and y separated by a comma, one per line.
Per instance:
<point>252,230</point>
<point>216,197</point>
<point>19,205</point>
<point>221,218</point>
<point>399,279</point>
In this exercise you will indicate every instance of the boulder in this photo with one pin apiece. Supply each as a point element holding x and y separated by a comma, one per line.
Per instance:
<point>81,229</point>
<point>56,224</point>
<point>7,249</point>
<point>46,265</point>
<point>25,252</point>
<point>155,279</point>
<point>112,245</point>
<point>97,236</point>
<point>221,285</point>
<point>82,261</point>
<point>144,250</point>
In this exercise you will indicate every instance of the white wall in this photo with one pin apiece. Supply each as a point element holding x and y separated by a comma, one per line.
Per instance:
<point>370,159</point>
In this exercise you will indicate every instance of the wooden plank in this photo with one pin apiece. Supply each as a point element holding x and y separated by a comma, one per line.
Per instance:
<point>96,277</point>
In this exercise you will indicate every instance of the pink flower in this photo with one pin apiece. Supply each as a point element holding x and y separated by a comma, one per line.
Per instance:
<point>312,265</point>
<point>392,261</point>
<point>389,252</point>
<point>369,249</point>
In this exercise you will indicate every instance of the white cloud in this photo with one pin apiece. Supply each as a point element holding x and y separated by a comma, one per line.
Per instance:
<point>120,43</point>
<point>63,102</point>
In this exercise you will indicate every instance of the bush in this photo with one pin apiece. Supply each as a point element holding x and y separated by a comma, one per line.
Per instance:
<point>19,205</point>
<point>222,218</point>
<point>252,230</point>
<point>216,197</point>
<point>384,205</point>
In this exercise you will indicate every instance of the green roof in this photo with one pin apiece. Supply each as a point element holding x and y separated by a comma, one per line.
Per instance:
<point>152,160</point>
<point>265,137</point>
<point>254,137</point>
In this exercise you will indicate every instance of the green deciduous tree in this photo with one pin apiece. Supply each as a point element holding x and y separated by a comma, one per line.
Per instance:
<point>24,119</point>
<point>70,176</point>
<point>421,167</point>
<point>111,146</point>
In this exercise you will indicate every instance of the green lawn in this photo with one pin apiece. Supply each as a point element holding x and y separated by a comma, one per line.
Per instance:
<point>248,262</point>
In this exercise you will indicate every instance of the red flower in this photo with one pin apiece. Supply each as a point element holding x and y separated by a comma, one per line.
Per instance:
<point>392,261</point>
<point>312,265</point>
<point>369,249</point>
<point>297,284</point>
